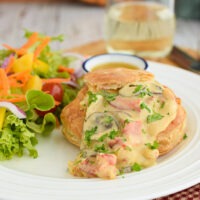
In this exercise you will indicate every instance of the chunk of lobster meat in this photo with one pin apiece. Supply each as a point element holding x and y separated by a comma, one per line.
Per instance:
<point>133,132</point>
<point>106,166</point>
<point>126,103</point>
<point>87,168</point>
<point>116,142</point>
<point>103,166</point>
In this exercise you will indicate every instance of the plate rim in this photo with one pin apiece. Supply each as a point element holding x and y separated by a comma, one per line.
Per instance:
<point>155,195</point>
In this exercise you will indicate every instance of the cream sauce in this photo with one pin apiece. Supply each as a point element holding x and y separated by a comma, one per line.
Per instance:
<point>128,134</point>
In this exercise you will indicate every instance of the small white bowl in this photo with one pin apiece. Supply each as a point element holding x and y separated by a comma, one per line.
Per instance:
<point>94,61</point>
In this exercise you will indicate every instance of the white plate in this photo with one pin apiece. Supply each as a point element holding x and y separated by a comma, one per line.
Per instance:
<point>47,178</point>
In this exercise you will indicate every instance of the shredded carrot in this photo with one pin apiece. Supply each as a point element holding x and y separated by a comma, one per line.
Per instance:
<point>9,47</point>
<point>32,40</point>
<point>65,69</point>
<point>10,64</point>
<point>23,50</point>
<point>4,86</point>
<point>19,79</point>
<point>18,52</point>
<point>21,74</point>
<point>15,83</point>
<point>57,102</point>
<point>43,44</point>
<point>56,80</point>
<point>15,99</point>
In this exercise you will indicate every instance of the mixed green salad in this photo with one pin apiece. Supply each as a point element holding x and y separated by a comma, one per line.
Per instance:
<point>35,84</point>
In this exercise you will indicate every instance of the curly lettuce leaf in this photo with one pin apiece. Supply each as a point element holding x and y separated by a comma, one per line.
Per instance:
<point>59,38</point>
<point>43,102</point>
<point>44,125</point>
<point>15,139</point>
<point>39,100</point>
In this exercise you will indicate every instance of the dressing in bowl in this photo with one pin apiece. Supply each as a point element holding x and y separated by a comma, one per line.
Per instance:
<point>104,61</point>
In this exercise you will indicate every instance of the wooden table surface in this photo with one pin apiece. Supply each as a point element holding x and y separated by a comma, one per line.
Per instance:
<point>80,23</point>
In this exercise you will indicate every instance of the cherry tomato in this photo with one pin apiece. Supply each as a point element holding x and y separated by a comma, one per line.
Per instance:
<point>55,89</point>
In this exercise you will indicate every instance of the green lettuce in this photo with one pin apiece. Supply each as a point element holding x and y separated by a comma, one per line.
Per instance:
<point>16,139</point>
<point>53,58</point>
<point>59,38</point>
<point>39,100</point>
<point>43,125</point>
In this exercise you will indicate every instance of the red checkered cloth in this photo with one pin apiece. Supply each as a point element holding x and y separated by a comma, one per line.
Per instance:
<point>192,193</point>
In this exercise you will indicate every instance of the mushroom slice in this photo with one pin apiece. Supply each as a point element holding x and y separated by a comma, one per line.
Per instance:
<point>103,121</point>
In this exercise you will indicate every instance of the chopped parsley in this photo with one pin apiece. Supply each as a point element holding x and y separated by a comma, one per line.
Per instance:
<point>143,131</point>
<point>136,167</point>
<point>142,94</point>
<point>144,106</point>
<point>126,121</point>
<point>83,154</point>
<point>142,91</point>
<point>137,89</point>
<point>148,92</point>
<point>121,172</point>
<point>100,149</point>
<point>89,133</point>
<point>162,105</point>
<point>127,148</point>
<point>91,98</point>
<point>77,162</point>
<point>103,137</point>
<point>108,119</point>
<point>108,96</point>
<point>154,117</point>
<point>110,135</point>
<point>155,145</point>
<point>185,136</point>
<point>113,134</point>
